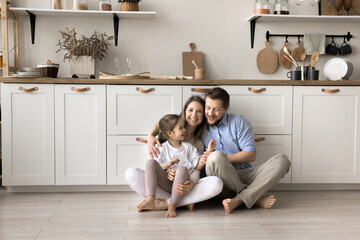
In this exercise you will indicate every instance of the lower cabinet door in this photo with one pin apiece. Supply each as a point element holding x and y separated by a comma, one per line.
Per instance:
<point>124,152</point>
<point>268,146</point>
<point>80,134</point>
<point>27,134</point>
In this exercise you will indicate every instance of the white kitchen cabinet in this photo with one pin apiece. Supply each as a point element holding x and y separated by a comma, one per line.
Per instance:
<point>268,108</point>
<point>135,109</point>
<point>27,134</point>
<point>124,152</point>
<point>189,91</point>
<point>326,138</point>
<point>268,146</point>
<point>80,134</point>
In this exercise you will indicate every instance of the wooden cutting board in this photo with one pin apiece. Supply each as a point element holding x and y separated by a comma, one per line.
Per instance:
<point>267,60</point>
<point>282,59</point>
<point>296,53</point>
<point>188,57</point>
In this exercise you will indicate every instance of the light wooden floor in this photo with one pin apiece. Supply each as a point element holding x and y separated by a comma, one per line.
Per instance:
<point>113,215</point>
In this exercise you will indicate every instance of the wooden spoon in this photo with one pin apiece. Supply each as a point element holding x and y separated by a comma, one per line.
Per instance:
<point>302,58</point>
<point>314,59</point>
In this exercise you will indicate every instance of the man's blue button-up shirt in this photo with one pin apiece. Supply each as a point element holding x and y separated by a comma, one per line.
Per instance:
<point>232,135</point>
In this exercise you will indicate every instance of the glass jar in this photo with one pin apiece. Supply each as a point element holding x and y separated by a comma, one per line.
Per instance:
<point>282,7</point>
<point>105,5</point>
<point>262,7</point>
<point>80,5</point>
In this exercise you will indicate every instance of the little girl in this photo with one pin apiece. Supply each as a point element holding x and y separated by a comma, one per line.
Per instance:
<point>173,166</point>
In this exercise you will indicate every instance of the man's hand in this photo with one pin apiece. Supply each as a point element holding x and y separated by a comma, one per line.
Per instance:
<point>183,189</point>
<point>171,174</point>
<point>151,144</point>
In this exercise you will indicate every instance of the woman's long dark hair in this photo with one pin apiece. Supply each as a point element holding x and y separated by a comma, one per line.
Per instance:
<point>200,129</point>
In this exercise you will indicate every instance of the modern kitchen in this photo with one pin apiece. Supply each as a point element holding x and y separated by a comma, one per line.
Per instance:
<point>83,82</point>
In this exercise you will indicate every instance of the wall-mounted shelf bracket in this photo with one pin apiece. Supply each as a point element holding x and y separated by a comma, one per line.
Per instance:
<point>252,30</point>
<point>32,25</point>
<point>116,28</point>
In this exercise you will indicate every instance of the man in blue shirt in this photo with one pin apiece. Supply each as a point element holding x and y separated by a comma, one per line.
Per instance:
<point>235,150</point>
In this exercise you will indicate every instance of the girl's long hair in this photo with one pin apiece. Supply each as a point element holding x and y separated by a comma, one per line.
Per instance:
<point>167,123</point>
<point>200,129</point>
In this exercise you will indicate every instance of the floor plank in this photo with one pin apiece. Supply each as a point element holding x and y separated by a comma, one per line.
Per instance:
<point>113,215</point>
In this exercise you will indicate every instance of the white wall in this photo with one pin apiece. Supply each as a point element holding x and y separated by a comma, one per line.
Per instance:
<point>155,44</point>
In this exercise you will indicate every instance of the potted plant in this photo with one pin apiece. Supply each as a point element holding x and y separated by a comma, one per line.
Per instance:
<point>83,52</point>
<point>129,5</point>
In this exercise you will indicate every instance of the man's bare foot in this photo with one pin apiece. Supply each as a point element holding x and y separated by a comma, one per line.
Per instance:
<point>191,207</point>
<point>153,205</point>
<point>211,146</point>
<point>231,203</point>
<point>266,201</point>
<point>171,212</point>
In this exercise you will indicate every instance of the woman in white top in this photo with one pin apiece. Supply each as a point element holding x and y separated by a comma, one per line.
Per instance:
<point>196,191</point>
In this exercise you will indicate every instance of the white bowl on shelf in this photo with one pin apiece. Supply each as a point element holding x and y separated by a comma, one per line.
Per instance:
<point>338,68</point>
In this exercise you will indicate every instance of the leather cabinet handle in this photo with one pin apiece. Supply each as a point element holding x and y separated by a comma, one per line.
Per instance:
<point>141,140</point>
<point>145,91</point>
<point>28,90</point>
<point>256,90</point>
<point>80,89</point>
<point>200,89</point>
<point>259,139</point>
<point>330,90</point>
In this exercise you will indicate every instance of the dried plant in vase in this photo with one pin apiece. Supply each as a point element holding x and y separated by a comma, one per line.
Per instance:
<point>129,5</point>
<point>83,51</point>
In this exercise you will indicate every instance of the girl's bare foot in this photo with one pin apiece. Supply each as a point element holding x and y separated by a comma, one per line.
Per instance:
<point>171,212</point>
<point>231,204</point>
<point>211,145</point>
<point>191,207</point>
<point>266,201</point>
<point>153,205</point>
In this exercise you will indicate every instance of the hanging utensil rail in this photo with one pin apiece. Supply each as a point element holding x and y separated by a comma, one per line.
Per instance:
<point>348,36</point>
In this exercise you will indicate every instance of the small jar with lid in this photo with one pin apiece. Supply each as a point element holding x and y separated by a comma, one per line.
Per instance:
<point>262,7</point>
<point>80,4</point>
<point>105,5</point>
<point>282,7</point>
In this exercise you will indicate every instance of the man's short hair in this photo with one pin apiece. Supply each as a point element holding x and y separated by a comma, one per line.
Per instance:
<point>219,94</point>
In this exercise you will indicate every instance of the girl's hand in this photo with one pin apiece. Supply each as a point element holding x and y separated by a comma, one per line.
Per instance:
<point>171,174</point>
<point>174,161</point>
<point>151,144</point>
<point>204,157</point>
<point>183,189</point>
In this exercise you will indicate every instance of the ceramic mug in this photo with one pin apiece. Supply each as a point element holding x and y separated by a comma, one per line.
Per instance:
<point>313,74</point>
<point>294,74</point>
<point>345,49</point>
<point>332,49</point>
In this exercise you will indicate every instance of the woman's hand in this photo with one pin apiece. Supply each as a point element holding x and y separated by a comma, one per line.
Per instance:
<point>183,189</point>
<point>151,144</point>
<point>171,174</point>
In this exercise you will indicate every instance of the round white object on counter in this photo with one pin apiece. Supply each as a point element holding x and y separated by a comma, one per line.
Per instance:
<point>338,68</point>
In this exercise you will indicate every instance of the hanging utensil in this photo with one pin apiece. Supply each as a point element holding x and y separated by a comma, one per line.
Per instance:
<point>283,59</point>
<point>267,59</point>
<point>297,51</point>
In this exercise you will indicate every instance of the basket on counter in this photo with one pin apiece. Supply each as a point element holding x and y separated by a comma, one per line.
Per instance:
<point>49,70</point>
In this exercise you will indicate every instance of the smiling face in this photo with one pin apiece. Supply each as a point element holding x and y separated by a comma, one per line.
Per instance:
<point>214,111</point>
<point>178,133</point>
<point>194,114</point>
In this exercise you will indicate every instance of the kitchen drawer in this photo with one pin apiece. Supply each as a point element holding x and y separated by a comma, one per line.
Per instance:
<point>268,108</point>
<point>135,109</point>
<point>189,91</point>
<point>124,152</point>
<point>268,146</point>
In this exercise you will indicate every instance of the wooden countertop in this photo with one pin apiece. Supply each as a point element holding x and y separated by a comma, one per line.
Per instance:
<point>180,82</point>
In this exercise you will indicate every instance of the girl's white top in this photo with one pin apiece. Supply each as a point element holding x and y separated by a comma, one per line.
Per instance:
<point>187,154</point>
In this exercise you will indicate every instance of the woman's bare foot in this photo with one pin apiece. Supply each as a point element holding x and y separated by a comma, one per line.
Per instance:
<point>171,212</point>
<point>266,201</point>
<point>153,205</point>
<point>211,146</point>
<point>231,204</point>
<point>191,207</point>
